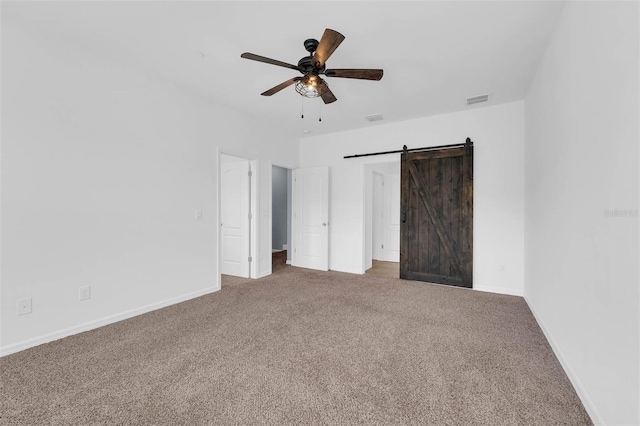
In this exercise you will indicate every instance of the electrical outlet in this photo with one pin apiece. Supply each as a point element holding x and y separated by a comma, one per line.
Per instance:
<point>502,268</point>
<point>24,306</point>
<point>84,293</point>
<point>198,214</point>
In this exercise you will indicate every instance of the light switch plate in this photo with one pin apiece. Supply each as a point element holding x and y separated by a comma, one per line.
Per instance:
<point>84,293</point>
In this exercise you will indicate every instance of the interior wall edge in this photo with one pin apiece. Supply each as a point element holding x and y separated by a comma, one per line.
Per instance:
<point>566,366</point>
<point>263,274</point>
<point>101,322</point>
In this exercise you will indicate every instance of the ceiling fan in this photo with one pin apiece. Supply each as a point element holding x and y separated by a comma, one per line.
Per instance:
<point>311,85</point>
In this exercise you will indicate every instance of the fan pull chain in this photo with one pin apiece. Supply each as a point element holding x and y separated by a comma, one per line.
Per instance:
<point>302,107</point>
<point>319,111</point>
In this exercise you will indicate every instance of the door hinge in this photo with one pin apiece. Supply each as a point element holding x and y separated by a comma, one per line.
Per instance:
<point>250,216</point>
<point>250,173</point>
<point>250,259</point>
<point>382,246</point>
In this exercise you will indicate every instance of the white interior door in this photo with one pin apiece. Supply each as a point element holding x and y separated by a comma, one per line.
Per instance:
<point>311,218</point>
<point>392,218</point>
<point>378,226</point>
<point>235,220</point>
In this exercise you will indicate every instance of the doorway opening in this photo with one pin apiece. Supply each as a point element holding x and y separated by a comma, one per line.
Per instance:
<point>237,203</point>
<point>281,189</point>
<point>382,219</point>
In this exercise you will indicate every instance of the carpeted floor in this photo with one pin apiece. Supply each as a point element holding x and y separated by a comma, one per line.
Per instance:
<point>384,269</point>
<point>301,347</point>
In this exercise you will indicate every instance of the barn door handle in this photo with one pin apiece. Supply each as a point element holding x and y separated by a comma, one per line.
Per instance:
<point>404,216</point>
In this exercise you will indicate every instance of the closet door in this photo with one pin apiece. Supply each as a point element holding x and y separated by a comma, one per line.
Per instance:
<point>436,229</point>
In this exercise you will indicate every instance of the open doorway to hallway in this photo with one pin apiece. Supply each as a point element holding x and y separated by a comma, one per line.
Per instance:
<point>382,219</point>
<point>280,216</point>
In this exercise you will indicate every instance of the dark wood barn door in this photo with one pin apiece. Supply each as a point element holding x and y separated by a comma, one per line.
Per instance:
<point>436,233</point>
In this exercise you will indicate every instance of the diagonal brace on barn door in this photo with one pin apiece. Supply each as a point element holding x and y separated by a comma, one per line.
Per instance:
<point>435,217</point>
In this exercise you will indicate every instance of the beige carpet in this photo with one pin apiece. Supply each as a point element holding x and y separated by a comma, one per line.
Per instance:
<point>301,347</point>
<point>384,269</point>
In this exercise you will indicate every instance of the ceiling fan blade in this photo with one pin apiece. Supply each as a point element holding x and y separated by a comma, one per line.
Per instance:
<point>328,44</point>
<point>361,74</point>
<point>280,86</point>
<point>328,96</point>
<point>266,60</point>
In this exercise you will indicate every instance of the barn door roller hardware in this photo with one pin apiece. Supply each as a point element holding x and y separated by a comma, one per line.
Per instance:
<point>468,144</point>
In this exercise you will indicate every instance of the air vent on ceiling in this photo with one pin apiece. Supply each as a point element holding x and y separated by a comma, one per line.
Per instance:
<point>477,99</point>
<point>374,117</point>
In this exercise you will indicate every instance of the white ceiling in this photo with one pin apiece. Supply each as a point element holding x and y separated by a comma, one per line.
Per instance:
<point>434,54</point>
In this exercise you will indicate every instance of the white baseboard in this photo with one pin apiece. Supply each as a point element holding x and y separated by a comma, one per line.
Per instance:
<point>288,262</point>
<point>500,291</point>
<point>575,381</point>
<point>347,270</point>
<point>70,331</point>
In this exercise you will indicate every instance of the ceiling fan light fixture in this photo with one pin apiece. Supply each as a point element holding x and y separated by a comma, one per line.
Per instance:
<point>311,86</point>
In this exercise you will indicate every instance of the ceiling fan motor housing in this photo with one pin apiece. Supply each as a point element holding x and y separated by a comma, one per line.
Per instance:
<point>306,64</point>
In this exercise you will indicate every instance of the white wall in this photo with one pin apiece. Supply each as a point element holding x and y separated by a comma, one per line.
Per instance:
<point>498,133</point>
<point>102,169</point>
<point>581,155</point>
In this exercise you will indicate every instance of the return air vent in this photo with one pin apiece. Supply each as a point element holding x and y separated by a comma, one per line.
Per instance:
<point>477,99</point>
<point>374,117</point>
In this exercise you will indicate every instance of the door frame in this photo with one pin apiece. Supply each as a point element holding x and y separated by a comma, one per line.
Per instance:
<point>289,211</point>
<point>366,171</point>
<point>254,231</point>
